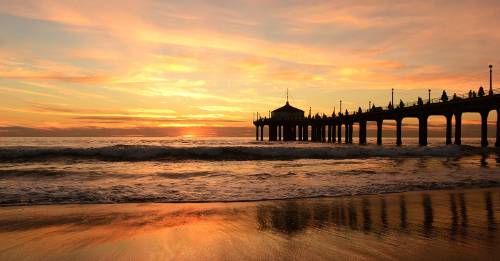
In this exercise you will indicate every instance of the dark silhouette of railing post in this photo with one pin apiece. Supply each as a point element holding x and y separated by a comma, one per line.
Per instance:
<point>257,132</point>
<point>299,132</point>
<point>319,129</point>
<point>334,136</point>
<point>458,128</point>
<point>313,132</point>
<point>399,141</point>
<point>262,132</point>
<point>305,134</point>
<point>285,132</point>
<point>269,133</point>
<point>497,143</point>
<point>350,132</point>
<point>379,132</point>
<point>339,133</point>
<point>293,132</point>
<point>362,132</point>
<point>484,128</point>
<point>448,128</point>
<point>320,132</point>
<point>317,133</point>
<point>272,131</point>
<point>490,92</point>
<point>346,138</point>
<point>279,132</point>
<point>329,133</point>
<point>422,130</point>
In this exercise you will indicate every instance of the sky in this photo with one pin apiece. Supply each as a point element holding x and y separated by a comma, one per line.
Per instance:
<point>155,66</point>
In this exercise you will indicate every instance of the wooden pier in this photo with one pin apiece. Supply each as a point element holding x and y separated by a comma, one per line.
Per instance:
<point>289,123</point>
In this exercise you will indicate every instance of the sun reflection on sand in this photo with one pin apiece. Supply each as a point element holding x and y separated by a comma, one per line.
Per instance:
<point>445,224</point>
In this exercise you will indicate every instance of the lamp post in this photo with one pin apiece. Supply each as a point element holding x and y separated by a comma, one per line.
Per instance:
<point>369,105</point>
<point>429,95</point>
<point>392,96</point>
<point>491,80</point>
<point>340,106</point>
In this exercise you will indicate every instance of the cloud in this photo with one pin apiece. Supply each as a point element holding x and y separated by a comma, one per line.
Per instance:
<point>232,58</point>
<point>27,92</point>
<point>220,108</point>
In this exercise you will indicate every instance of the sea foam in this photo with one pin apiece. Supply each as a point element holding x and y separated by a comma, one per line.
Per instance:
<point>215,153</point>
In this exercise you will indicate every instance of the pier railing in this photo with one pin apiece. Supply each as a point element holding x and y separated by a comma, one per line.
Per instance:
<point>460,96</point>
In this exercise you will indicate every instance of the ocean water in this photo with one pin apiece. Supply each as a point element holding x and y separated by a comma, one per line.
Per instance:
<point>121,170</point>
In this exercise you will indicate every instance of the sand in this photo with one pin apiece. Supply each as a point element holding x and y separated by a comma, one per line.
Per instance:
<point>433,225</point>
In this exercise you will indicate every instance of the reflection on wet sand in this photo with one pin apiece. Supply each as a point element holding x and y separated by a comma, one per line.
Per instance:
<point>403,213</point>
<point>292,218</point>
<point>438,224</point>
<point>489,209</point>
<point>428,214</point>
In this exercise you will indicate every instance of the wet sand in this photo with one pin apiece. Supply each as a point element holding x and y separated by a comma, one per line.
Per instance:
<point>434,225</point>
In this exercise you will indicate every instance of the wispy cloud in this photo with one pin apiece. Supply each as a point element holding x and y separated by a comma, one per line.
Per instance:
<point>153,59</point>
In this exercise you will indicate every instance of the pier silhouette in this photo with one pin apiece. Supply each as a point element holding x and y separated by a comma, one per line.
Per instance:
<point>289,123</point>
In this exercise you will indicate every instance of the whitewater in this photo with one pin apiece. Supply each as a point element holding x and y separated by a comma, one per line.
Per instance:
<point>124,170</point>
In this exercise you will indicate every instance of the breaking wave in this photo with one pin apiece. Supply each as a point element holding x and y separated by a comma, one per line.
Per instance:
<point>211,153</point>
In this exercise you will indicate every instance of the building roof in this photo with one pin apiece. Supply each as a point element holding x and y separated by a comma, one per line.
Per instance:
<point>288,108</point>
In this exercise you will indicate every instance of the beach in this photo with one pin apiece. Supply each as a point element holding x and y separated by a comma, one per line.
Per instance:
<point>249,130</point>
<point>441,224</point>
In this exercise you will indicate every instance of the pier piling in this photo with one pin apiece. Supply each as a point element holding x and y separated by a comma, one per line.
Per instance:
<point>497,143</point>
<point>422,130</point>
<point>448,128</point>
<point>399,141</point>
<point>379,132</point>
<point>484,128</point>
<point>458,128</point>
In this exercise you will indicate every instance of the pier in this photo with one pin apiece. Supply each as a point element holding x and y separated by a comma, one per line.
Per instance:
<point>289,123</point>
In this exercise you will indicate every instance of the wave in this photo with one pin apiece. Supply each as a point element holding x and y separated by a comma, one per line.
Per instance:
<point>133,194</point>
<point>211,153</point>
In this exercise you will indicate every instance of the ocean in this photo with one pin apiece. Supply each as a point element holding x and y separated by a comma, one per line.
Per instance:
<point>39,171</point>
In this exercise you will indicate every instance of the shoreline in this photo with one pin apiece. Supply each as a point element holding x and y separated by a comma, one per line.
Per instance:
<point>493,186</point>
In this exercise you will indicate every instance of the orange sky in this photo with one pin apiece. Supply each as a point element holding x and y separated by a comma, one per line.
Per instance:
<point>150,64</point>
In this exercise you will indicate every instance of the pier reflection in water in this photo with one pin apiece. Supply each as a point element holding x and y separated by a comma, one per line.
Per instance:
<point>440,216</point>
<point>416,225</point>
